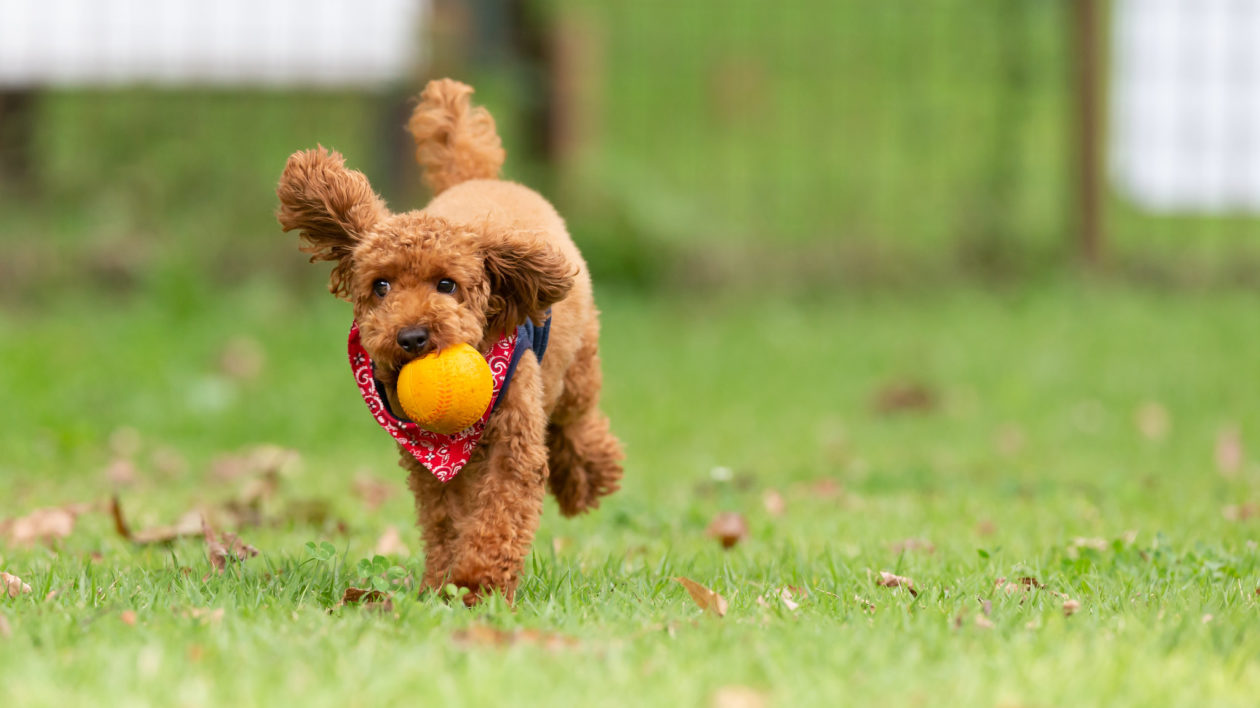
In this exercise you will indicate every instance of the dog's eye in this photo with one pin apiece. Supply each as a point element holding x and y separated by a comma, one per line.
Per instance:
<point>380,286</point>
<point>446,285</point>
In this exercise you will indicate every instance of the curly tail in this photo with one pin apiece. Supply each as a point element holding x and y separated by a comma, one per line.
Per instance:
<point>455,141</point>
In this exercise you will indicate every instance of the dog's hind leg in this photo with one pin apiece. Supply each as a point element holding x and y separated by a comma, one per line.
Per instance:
<point>583,455</point>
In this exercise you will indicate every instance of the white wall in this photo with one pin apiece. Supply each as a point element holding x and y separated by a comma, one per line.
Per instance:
<point>1185,132</point>
<point>231,42</point>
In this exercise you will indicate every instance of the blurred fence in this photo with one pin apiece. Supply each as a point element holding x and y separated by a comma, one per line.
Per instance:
<point>850,136</point>
<point>814,142</point>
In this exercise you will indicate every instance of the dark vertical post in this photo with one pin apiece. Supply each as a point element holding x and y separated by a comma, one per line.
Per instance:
<point>17,138</point>
<point>1088,49</point>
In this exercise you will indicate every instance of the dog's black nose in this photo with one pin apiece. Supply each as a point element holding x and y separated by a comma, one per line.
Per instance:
<point>413,339</point>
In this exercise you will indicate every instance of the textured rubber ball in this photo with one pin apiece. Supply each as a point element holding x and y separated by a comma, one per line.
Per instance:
<point>446,391</point>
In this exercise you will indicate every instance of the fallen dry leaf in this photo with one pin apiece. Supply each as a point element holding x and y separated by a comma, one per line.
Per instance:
<point>705,598</point>
<point>44,525</point>
<point>1009,440</point>
<point>1070,607</point>
<point>1152,420</point>
<point>737,697</point>
<point>390,543</point>
<point>242,358</point>
<point>125,442</point>
<point>257,460</point>
<point>121,472</point>
<point>12,585</point>
<point>1240,512</point>
<point>5,631</point>
<point>1229,451</point>
<point>168,461</point>
<point>983,622</point>
<point>354,596</point>
<point>773,503</point>
<point>913,544</point>
<point>205,614</point>
<point>187,526</point>
<point>373,491</point>
<point>221,548</point>
<point>128,617</point>
<point>825,488</point>
<point>729,528</point>
<point>367,598</point>
<point>483,635</point>
<point>783,595</point>
<point>888,580</point>
<point>904,397</point>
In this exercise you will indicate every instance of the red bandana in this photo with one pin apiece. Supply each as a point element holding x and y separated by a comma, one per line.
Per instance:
<point>444,455</point>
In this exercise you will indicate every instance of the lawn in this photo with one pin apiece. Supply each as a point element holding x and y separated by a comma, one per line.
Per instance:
<point>1093,438</point>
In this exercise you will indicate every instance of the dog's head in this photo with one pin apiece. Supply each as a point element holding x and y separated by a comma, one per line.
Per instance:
<point>418,283</point>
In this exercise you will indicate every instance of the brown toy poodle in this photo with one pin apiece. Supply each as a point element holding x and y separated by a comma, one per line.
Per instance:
<point>488,263</point>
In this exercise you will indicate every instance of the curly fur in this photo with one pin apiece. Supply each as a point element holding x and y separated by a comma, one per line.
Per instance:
<point>512,259</point>
<point>455,142</point>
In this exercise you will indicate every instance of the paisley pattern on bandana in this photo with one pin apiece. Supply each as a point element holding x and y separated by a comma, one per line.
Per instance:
<point>444,455</point>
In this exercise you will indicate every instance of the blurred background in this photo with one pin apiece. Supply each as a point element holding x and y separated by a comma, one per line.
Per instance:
<point>692,145</point>
<point>739,174</point>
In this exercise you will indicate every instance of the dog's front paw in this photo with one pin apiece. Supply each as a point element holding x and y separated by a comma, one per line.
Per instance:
<point>472,589</point>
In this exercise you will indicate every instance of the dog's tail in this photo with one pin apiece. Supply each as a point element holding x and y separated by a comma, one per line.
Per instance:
<point>455,141</point>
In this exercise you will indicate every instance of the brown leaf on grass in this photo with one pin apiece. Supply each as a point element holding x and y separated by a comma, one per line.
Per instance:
<point>1093,544</point>
<point>1240,512</point>
<point>221,548</point>
<point>368,599</point>
<point>125,442</point>
<point>783,595</point>
<point>904,397</point>
<point>825,488</point>
<point>1229,451</point>
<point>259,460</point>
<point>168,461</point>
<point>729,528</point>
<point>188,525</point>
<point>983,622</point>
<point>705,598</point>
<point>128,617</point>
<point>1070,607</point>
<point>1009,439</point>
<point>1152,421</point>
<point>738,697</point>
<point>888,580</point>
<point>373,491</point>
<point>5,631</point>
<point>205,614</point>
<point>242,358</point>
<point>13,586</point>
<point>484,635</point>
<point>773,503</point>
<point>121,472</point>
<point>45,525</point>
<point>390,543</point>
<point>913,544</point>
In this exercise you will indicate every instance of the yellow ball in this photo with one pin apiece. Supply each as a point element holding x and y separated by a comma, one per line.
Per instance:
<point>446,391</point>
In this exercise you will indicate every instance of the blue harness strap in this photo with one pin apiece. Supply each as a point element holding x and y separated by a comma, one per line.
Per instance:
<point>528,336</point>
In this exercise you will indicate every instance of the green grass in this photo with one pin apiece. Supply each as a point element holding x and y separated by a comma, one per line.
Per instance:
<point>1032,445</point>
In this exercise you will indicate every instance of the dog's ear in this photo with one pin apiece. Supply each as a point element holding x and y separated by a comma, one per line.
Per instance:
<point>333,206</point>
<point>526,276</point>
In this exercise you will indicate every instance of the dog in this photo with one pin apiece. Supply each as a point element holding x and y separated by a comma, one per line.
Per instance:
<point>489,263</point>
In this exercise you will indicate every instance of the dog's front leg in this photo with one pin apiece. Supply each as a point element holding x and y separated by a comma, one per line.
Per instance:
<point>505,492</point>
